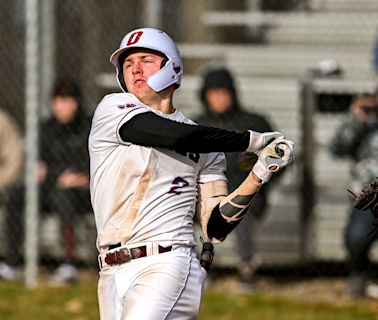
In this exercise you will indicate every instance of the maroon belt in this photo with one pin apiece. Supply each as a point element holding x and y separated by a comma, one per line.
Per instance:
<point>124,255</point>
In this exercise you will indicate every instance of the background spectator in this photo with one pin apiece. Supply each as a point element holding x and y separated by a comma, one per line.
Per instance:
<point>11,153</point>
<point>357,138</point>
<point>222,109</point>
<point>11,156</point>
<point>63,175</point>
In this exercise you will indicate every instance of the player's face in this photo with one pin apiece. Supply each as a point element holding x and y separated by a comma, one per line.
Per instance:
<point>219,100</point>
<point>137,68</point>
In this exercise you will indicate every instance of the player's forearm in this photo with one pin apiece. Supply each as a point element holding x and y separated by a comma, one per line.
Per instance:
<point>235,204</point>
<point>220,212</point>
<point>231,209</point>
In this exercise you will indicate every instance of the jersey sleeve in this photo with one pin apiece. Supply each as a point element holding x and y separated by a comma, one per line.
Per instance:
<point>152,130</point>
<point>214,168</point>
<point>112,112</point>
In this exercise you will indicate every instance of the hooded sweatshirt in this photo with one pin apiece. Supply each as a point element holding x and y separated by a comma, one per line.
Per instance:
<point>234,118</point>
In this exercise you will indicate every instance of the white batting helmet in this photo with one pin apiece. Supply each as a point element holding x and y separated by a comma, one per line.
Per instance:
<point>154,39</point>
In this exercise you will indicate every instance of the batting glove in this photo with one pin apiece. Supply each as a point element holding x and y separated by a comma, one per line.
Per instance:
<point>258,141</point>
<point>273,157</point>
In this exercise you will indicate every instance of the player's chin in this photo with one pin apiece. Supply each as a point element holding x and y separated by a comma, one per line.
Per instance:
<point>144,93</point>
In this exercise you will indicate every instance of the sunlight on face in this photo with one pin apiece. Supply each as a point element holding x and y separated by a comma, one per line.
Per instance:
<point>137,68</point>
<point>219,100</point>
<point>64,108</point>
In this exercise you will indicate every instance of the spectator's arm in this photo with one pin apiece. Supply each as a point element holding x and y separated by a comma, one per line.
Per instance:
<point>11,151</point>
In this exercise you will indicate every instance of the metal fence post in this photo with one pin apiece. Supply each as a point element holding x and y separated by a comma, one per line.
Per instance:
<point>31,140</point>
<point>47,54</point>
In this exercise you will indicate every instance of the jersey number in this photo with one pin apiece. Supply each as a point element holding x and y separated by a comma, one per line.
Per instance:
<point>178,183</point>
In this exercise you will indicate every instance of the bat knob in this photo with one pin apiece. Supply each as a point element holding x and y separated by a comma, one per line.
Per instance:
<point>280,149</point>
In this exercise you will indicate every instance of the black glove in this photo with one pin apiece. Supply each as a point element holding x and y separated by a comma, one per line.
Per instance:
<point>207,255</point>
<point>368,198</point>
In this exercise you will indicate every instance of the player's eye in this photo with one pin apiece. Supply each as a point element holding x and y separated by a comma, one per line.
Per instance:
<point>148,59</point>
<point>127,64</point>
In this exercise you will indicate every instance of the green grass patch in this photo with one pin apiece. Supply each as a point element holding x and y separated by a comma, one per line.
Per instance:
<point>72,302</point>
<point>79,302</point>
<point>231,307</point>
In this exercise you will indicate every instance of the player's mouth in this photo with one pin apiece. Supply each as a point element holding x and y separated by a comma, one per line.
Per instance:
<point>139,82</point>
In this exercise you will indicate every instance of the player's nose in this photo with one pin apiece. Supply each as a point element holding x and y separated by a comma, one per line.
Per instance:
<point>136,68</point>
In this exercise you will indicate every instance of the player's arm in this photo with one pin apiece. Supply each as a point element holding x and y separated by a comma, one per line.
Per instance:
<point>149,129</point>
<point>221,212</point>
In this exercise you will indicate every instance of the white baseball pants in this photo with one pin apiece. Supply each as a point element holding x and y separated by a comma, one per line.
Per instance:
<point>158,287</point>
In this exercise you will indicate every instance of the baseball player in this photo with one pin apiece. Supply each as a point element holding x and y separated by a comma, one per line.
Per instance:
<point>152,170</point>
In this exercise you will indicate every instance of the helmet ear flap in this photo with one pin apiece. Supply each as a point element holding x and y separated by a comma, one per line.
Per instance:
<point>121,81</point>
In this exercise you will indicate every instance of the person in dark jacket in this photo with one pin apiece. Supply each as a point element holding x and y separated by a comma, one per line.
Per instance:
<point>222,109</point>
<point>63,175</point>
<point>357,139</point>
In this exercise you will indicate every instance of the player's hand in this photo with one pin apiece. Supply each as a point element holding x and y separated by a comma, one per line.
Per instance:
<point>273,157</point>
<point>258,141</point>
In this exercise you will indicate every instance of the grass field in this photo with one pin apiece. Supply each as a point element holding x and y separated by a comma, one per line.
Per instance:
<point>79,302</point>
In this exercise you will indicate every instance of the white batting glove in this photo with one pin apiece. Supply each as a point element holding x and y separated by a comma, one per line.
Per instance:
<point>273,157</point>
<point>258,141</point>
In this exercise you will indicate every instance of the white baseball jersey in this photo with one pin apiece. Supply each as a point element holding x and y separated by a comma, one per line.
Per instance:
<point>143,194</point>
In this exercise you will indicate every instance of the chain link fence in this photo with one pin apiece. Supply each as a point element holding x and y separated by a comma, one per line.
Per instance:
<point>268,46</point>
